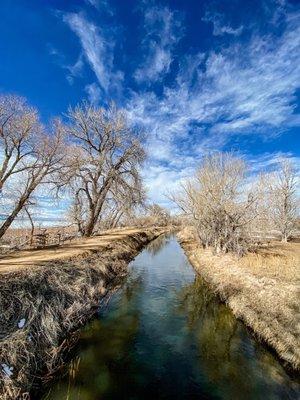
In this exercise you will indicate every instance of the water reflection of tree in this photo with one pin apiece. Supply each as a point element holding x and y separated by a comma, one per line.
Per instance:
<point>157,244</point>
<point>232,360</point>
<point>104,361</point>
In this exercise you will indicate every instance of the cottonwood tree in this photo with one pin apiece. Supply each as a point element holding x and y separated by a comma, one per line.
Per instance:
<point>106,161</point>
<point>149,214</point>
<point>18,126</point>
<point>122,203</point>
<point>219,204</point>
<point>120,207</point>
<point>158,214</point>
<point>284,203</point>
<point>28,155</point>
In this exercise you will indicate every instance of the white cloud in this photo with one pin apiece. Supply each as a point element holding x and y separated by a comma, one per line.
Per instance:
<point>100,5</point>
<point>94,3</point>
<point>162,180</point>
<point>242,89</point>
<point>246,88</point>
<point>220,27</point>
<point>98,51</point>
<point>94,93</point>
<point>75,69</point>
<point>267,162</point>
<point>163,32</point>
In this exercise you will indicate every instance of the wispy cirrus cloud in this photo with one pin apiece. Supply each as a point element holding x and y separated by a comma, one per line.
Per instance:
<point>163,31</point>
<point>269,161</point>
<point>97,50</point>
<point>94,3</point>
<point>220,27</point>
<point>244,89</point>
<point>75,70</point>
<point>249,88</point>
<point>100,5</point>
<point>94,93</point>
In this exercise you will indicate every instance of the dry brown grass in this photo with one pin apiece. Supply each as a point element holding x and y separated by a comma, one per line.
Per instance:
<point>277,260</point>
<point>262,289</point>
<point>54,300</point>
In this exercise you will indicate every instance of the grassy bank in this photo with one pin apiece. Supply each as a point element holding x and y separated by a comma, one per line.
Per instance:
<point>261,288</point>
<point>42,305</point>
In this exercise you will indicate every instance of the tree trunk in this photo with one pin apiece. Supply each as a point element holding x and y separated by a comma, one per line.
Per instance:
<point>21,203</point>
<point>32,225</point>
<point>117,219</point>
<point>95,212</point>
<point>9,220</point>
<point>88,231</point>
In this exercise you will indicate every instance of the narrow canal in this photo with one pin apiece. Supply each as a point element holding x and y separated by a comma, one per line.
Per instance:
<point>164,335</point>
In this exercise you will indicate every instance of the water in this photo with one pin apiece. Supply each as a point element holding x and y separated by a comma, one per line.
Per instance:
<point>164,335</point>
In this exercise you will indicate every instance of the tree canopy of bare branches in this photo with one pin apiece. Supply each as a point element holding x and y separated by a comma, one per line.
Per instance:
<point>107,154</point>
<point>159,214</point>
<point>28,155</point>
<point>283,201</point>
<point>218,203</point>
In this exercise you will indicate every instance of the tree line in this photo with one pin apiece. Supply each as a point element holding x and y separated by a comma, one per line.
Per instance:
<point>231,209</point>
<point>94,156</point>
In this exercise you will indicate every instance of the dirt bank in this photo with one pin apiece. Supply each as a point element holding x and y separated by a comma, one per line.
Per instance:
<point>42,304</point>
<point>261,289</point>
<point>75,248</point>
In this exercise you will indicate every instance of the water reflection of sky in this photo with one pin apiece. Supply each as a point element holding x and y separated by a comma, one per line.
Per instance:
<point>165,335</point>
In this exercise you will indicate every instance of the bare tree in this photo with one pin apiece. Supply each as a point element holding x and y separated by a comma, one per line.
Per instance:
<point>121,204</point>
<point>160,215</point>
<point>107,156</point>
<point>219,203</point>
<point>29,155</point>
<point>18,126</point>
<point>284,204</point>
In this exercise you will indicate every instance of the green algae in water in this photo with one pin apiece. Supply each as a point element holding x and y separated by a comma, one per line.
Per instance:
<point>164,335</point>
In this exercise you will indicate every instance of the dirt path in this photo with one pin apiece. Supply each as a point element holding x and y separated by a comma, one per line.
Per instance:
<point>23,259</point>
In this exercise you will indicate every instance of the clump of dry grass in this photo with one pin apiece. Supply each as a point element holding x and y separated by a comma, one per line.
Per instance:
<point>261,288</point>
<point>277,260</point>
<point>40,308</point>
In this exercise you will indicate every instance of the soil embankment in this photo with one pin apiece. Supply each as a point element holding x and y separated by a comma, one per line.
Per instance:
<point>76,248</point>
<point>48,294</point>
<point>261,289</point>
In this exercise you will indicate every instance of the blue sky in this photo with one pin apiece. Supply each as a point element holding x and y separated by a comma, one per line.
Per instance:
<point>198,76</point>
